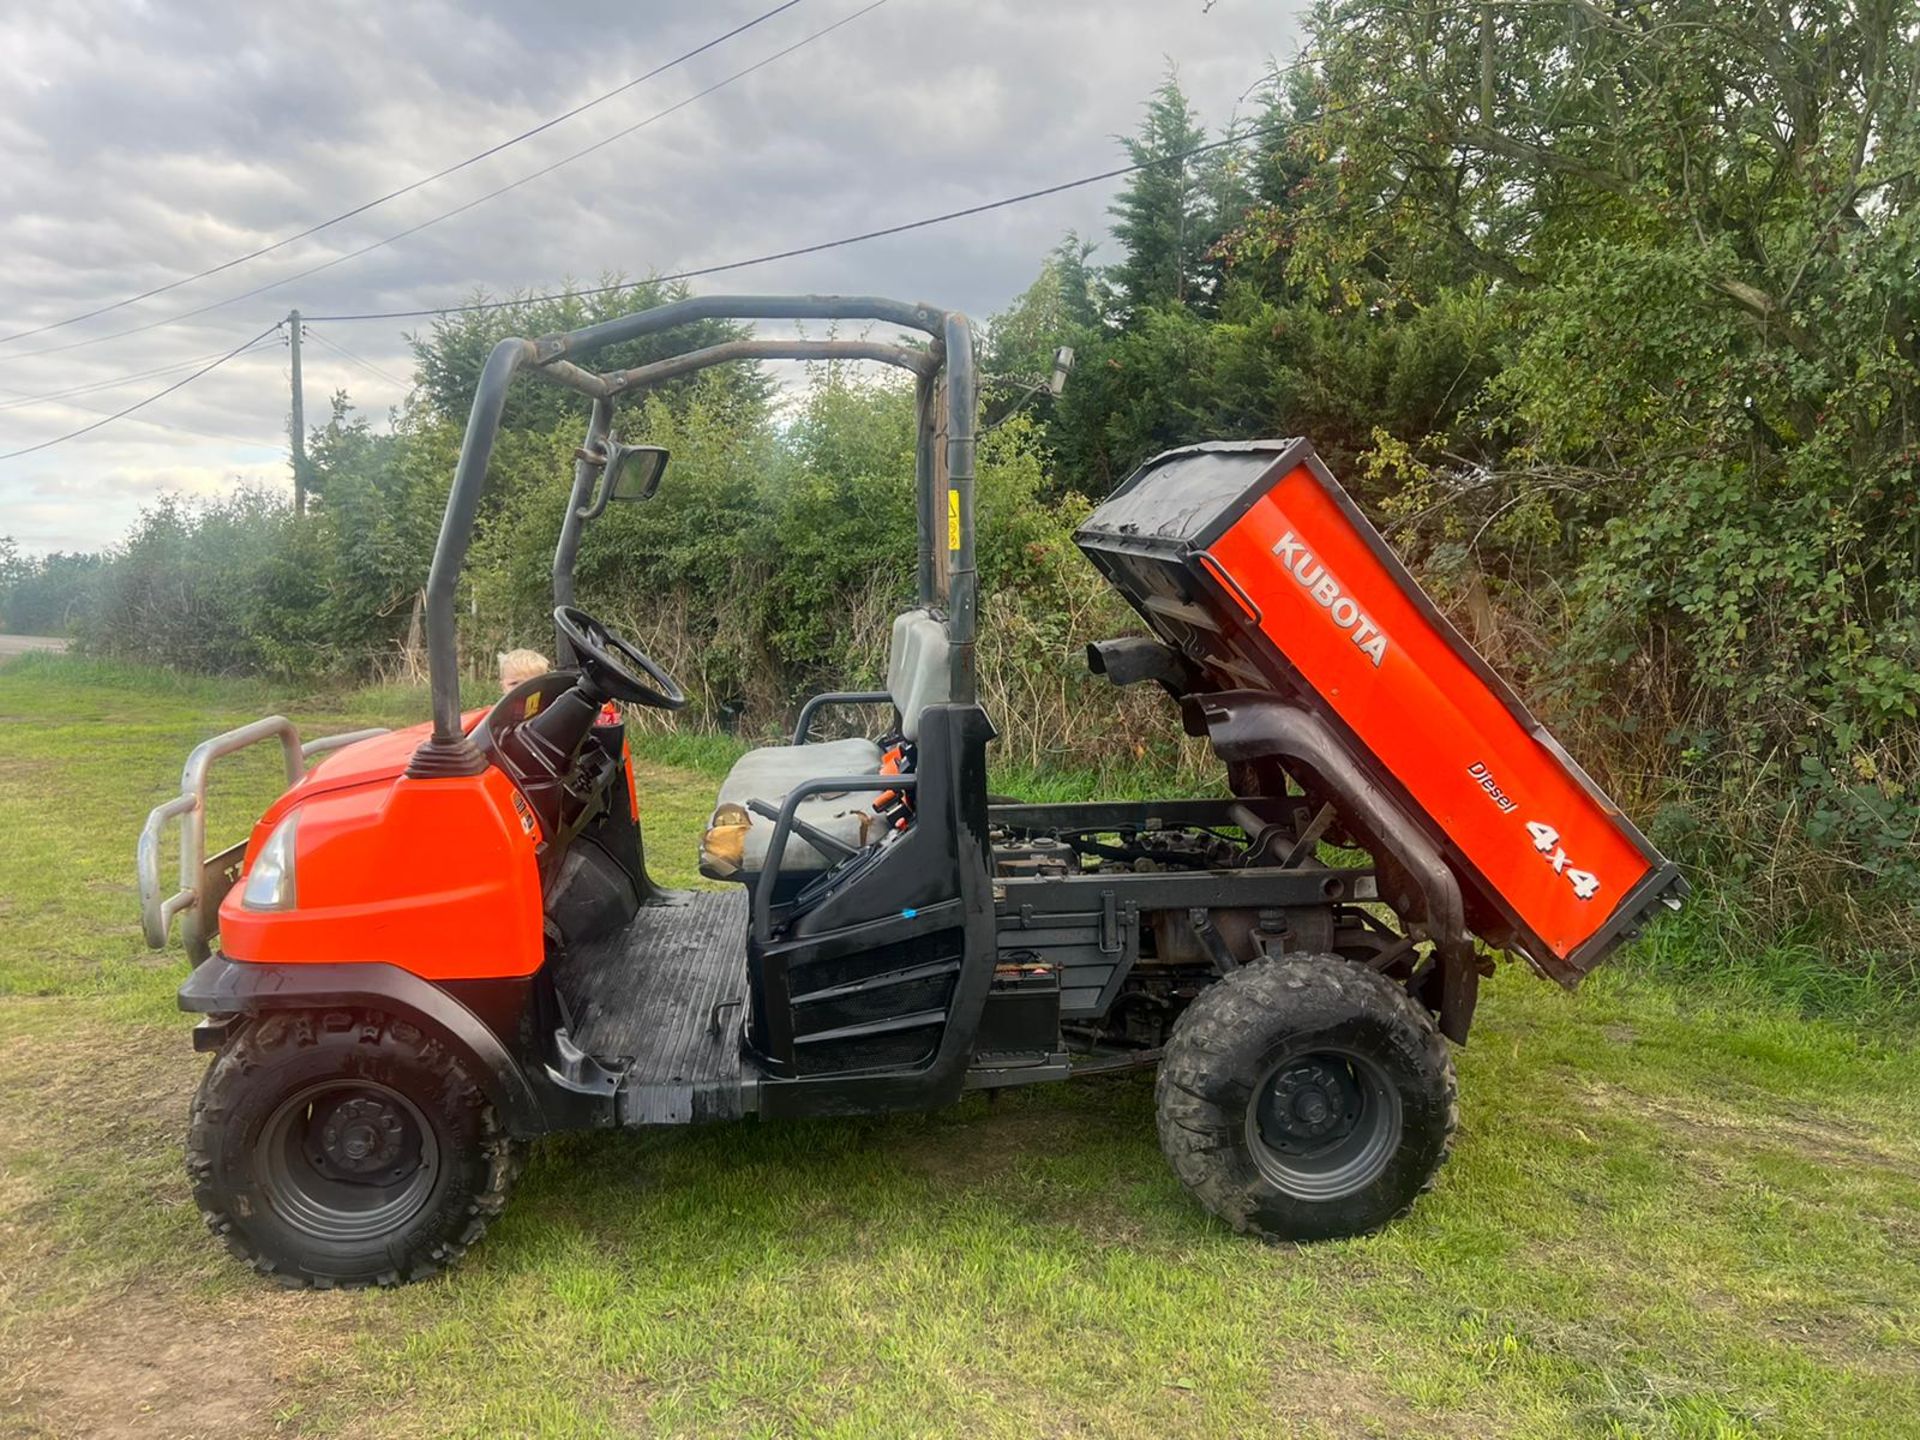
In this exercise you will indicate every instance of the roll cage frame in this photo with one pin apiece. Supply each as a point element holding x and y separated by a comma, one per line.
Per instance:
<point>947,357</point>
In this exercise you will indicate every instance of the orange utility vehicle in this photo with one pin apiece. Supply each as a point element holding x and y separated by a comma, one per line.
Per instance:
<point>443,942</point>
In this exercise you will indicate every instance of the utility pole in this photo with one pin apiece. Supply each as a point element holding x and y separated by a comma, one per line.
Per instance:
<point>299,423</point>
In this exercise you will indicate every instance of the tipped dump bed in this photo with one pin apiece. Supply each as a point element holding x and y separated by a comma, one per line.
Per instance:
<point>1252,562</point>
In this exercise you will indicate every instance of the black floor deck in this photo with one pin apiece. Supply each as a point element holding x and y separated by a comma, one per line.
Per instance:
<point>649,998</point>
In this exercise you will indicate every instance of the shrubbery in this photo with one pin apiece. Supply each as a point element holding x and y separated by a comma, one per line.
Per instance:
<point>1616,337</point>
<point>769,565</point>
<point>45,595</point>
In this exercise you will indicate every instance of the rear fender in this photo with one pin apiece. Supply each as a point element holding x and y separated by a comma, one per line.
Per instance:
<point>1246,725</point>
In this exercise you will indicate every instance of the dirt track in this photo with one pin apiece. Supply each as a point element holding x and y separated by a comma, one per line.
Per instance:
<point>11,645</point>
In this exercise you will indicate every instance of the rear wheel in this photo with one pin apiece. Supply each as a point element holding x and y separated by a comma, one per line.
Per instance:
<point>345,1148</point>
<point>1306,1097</point>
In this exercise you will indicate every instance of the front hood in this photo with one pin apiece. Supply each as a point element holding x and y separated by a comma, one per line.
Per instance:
<point>379,757</point>
<point>377,760</point>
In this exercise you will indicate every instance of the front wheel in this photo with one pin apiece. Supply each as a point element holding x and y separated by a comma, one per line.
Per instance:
<point>1304,1097</point>
<point>345,1148</point>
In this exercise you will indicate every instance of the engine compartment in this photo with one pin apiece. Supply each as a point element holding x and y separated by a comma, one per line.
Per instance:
<point>1125,968</point>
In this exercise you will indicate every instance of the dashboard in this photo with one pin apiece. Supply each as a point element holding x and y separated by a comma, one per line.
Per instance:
<point>562,764</point>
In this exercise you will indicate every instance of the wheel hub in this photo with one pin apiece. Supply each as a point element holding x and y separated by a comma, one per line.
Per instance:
<point>348,1161</point>
<point>1311,1103</point>
<point>362,1136</point>
<point>1323,1124</point>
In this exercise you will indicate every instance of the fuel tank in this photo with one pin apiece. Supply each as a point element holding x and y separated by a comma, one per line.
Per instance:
<point>1250,560</point>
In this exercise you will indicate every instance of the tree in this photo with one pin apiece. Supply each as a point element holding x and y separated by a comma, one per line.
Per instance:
<point>44,595</point>
<point>1170,214</point>
<point>1283,178</point>
<point>1695,459</point>
<point>1063,306</point>
<point>13,566</point>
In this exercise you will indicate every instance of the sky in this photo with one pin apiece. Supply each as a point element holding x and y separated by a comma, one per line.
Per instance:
<point>142,142</point>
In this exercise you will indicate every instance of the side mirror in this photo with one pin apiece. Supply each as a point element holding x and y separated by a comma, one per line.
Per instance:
<point>632,473</point>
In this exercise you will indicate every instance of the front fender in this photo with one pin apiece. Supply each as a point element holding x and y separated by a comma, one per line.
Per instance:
<point>528,1105</point>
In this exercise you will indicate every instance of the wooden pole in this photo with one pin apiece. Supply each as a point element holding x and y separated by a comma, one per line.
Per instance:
<point>299,423</point>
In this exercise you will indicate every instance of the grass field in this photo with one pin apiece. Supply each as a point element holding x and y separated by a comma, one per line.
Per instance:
<point>1666,1216</point>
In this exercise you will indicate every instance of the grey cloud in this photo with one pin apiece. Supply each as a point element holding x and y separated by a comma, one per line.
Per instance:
<point>142,142</point>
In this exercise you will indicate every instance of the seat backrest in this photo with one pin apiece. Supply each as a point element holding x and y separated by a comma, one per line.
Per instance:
<point>919,672</point>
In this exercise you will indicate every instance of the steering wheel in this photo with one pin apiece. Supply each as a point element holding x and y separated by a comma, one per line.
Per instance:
<point>616,667</point>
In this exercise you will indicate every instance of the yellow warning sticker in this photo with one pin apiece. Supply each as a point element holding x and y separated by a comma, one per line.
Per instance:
<point>953,519</point>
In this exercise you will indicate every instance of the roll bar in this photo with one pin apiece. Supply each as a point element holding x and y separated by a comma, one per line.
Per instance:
<point>448,751</point>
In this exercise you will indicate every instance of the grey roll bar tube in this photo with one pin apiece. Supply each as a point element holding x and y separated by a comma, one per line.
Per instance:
<point>835,698</point>
<point>926,576</point>
<point>585,469</point>
<point>920,362</point>
<point>962,598</point>
<point>448,751</point>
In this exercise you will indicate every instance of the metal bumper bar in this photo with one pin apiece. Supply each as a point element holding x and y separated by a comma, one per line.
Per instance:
<point>204,881</point>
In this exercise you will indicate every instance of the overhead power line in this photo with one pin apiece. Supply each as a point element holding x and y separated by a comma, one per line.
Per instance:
<point>62,400</point>
<point>493,194</point>
<point>360,360</point>
<point>240,440</point>
<point>406,189</point>
<point>921,224</point>
<point>142,404</point>
<point>22,398</point>
<point>1021,199</point>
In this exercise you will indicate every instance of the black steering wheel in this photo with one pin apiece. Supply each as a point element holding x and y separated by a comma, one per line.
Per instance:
<point>616,667</point>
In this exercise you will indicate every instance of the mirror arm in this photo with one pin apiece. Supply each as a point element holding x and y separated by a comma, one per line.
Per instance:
<point>601,460</point>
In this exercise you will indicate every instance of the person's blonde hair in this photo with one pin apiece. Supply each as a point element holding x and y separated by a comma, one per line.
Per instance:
<point>517,666</point>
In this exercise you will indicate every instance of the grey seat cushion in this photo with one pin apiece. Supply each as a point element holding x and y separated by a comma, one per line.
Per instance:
<point>919,674</point>
<point>771,771</point>
<point>919,667</point>
<point>767,774</point>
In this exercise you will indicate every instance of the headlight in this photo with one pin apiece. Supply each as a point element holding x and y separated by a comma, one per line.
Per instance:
<point>269,883</point>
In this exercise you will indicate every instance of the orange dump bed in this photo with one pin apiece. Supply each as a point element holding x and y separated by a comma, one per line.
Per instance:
<point>1252,562</point>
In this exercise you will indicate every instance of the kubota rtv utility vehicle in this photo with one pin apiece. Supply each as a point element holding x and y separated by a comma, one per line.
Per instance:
<point>442,942</point>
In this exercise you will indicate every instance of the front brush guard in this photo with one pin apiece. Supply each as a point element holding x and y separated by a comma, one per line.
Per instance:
<point>205,880</point>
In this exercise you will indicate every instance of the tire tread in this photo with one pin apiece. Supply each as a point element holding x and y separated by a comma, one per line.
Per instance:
<point>1235,1014</point>
<point>255,1046</point>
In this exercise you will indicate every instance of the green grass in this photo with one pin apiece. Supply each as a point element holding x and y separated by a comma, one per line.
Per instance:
<point>1718,943</point>
<point>1674,1210</point>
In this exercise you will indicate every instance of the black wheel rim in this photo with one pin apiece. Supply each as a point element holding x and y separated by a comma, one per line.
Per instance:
<point>348,1160</point>
<point>1324,1123</point>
